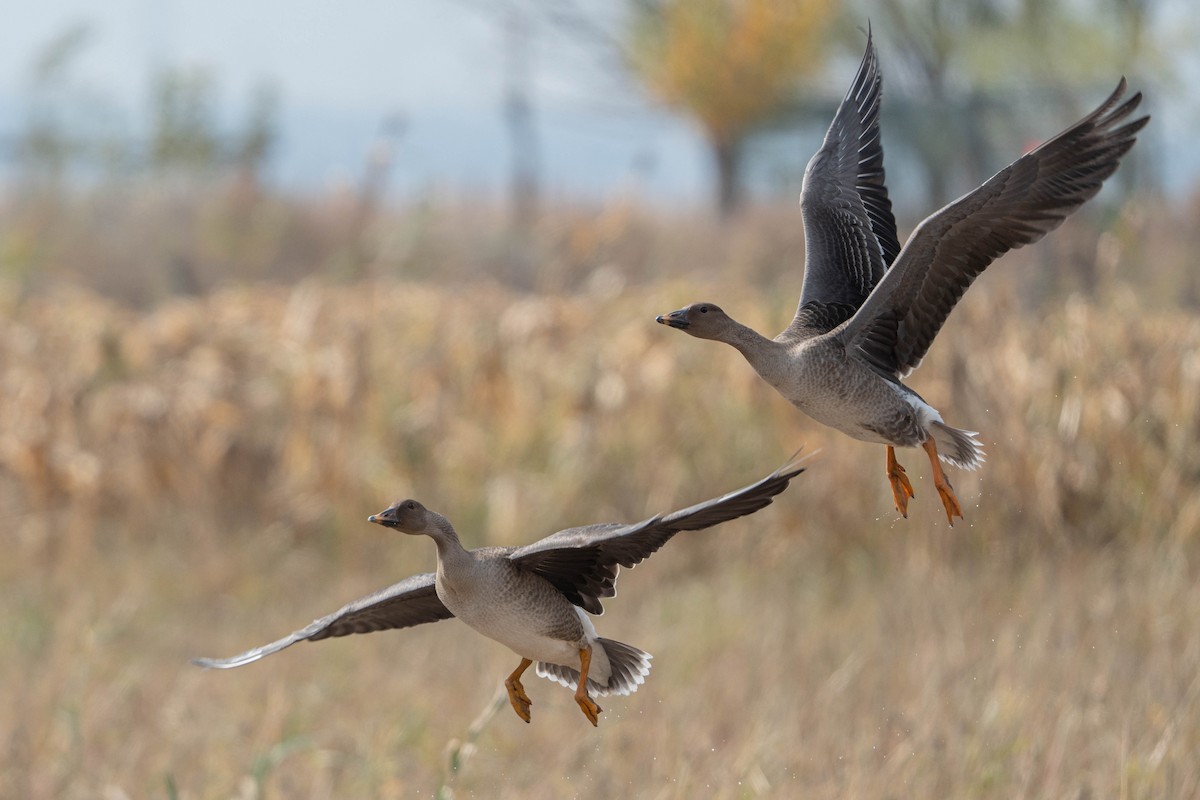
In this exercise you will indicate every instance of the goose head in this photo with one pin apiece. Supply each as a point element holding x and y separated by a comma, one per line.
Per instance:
<point>407,516</point>
<point>702,320</point>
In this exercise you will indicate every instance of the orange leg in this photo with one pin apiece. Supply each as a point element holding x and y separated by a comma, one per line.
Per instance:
<point>516,692</point>
<point>940,482</point>
<point>589,708</point>
<point>901,488</point>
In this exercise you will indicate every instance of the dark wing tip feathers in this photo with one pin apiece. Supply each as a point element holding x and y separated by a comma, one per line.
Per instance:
<point>254,654</point>
<point>1098,126</point>
<point>1017,206</point>
<point>583,563</point>
<point>412,601</point>
<point>1076,162</point>
<point>871,175</point>
<point>738,503</point>
<point>850,230</point>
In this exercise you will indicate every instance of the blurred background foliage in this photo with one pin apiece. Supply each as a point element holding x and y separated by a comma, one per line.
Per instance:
<point>208,381</point>
<point>730,66</point>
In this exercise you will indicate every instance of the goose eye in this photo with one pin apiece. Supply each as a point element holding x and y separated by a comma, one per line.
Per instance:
<point>703,309</point>
<point>412,506</point>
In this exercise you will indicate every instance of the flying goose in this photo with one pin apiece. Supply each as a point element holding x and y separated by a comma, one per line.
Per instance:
<point>869,310</point>
<point>531,599</point>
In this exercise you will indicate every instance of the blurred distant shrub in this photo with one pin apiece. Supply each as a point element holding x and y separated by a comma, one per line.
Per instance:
<point>73,134</point>
<point>184,131</point>
<point>186,137</point>
<point>66,123</point>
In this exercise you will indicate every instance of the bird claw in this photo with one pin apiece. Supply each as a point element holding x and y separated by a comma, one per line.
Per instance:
<point>589,709</point>
<point>942,483</point>
<point>518,699</point>
<point>901,487</point>
<point>949,500</point>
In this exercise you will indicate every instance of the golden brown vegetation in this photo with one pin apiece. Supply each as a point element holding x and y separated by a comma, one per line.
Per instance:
<point>192,478</point>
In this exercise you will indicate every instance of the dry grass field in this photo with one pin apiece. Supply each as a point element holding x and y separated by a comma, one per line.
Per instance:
<point>192,475</point>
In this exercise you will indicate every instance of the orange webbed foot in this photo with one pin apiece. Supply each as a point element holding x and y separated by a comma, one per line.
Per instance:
<point>586,704</point>
<point>516,692</point>
<point>949,500</point>
<point>942,484</point>
<point>901,487</point>
<point>589,709</point>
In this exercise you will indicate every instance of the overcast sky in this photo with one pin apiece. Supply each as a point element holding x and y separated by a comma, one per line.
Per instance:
<point>343,67</point>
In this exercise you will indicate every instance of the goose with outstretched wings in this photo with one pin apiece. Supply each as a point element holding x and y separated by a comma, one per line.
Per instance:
<point>534,599</point>
<point>869,309</point>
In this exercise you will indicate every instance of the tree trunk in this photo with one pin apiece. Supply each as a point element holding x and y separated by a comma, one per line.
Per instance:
<point>728,159</point>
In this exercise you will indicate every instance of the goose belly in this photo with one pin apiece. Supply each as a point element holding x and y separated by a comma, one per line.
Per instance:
<point>526,639</point>
<point>858,402</point>
<point>537,624</point>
